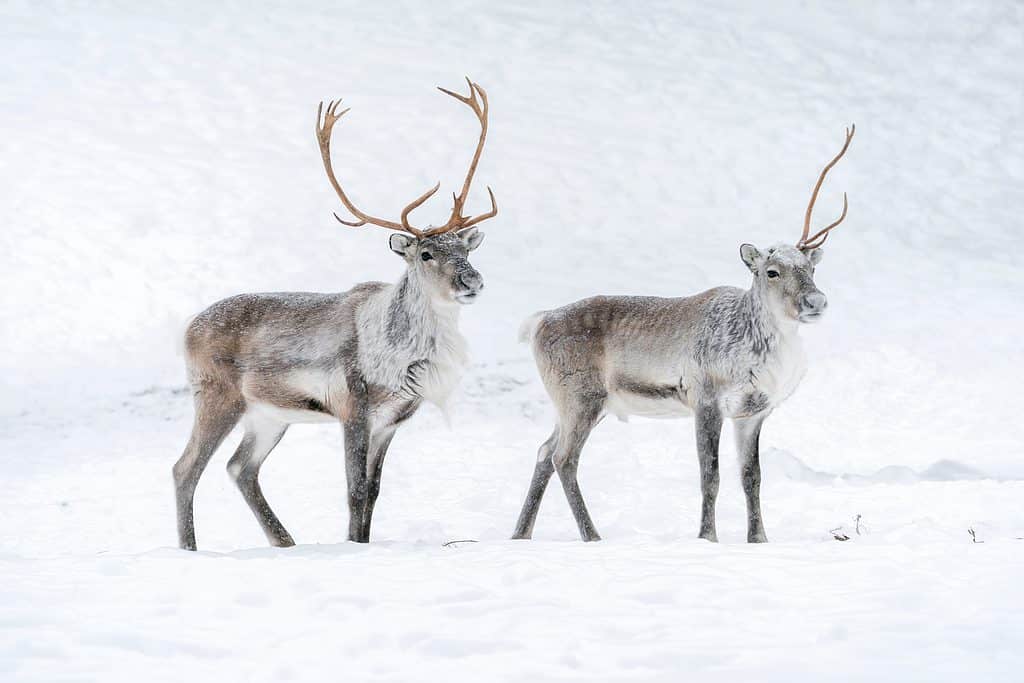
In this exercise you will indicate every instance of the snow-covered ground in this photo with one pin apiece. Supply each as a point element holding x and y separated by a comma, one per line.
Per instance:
<point>157,157</point>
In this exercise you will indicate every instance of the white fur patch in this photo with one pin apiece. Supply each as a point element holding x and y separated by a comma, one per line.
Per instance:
<point>433,348</point>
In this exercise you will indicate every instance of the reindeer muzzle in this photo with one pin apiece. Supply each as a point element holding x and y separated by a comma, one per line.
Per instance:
<point>812,307</point>
<point>469,283</point>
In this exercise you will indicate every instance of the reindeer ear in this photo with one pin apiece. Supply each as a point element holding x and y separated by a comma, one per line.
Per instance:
<point>751,256</point>
<point>814,256</point>
<point>471,237</point>
<point>400,243</point>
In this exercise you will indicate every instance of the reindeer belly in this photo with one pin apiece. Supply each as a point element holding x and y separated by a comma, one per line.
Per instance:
<point>629,396</point>
<point>290,415</point>
<point>298,396</point>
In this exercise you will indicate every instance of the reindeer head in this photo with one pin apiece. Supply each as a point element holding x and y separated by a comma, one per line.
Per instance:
<point>785,274</point>
<point>438,256</point>
<point>441,262</point>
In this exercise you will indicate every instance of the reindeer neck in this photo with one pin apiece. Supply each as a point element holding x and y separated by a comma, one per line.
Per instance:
<point>414,318</point>
<point>766,326</point>
<point>418,300</point>
<point>412,343</point>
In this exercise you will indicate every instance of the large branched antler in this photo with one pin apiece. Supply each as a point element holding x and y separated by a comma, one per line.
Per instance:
<point>325,121</point>
<point>324,127</point>
<point>457,220</point>
<point>818,238</point>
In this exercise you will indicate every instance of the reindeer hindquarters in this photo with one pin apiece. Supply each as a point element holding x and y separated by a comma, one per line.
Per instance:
<point>262,434</point>
<point>575,426</point>
<point>542,472</point>
<point>218,409</point>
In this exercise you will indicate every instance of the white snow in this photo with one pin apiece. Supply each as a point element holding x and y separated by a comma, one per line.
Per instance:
<point>157,157</point>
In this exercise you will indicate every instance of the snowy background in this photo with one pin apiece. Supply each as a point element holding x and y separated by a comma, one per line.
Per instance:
<point>158,157</point>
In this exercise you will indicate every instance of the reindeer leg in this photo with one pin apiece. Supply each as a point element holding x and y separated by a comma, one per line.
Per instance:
<point>541,476</point>
<point>709,429</point>
<point>261,437</point>
<point>748,436</point>
<point>566,459</point>
<point>218,410</point>
<point>375,466</point>
<point>357,443</point>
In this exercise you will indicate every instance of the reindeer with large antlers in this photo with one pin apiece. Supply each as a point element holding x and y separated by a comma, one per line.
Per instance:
<point>367,357</point>
<point>725,353</point>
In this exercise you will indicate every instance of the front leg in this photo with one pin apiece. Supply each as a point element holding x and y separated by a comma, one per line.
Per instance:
<point>375,465</point>
<point>357,441</point>
<point>709,429</point>
<point>748,437</point>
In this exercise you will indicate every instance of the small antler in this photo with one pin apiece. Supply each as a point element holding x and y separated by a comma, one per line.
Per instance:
<point>456,221</point>
<point>818,238</point>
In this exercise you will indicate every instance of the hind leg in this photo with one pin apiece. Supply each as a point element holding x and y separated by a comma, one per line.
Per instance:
<point>541,476</point>
<point>261,436</point>
<point>573,432</point>
<point>218,410</point>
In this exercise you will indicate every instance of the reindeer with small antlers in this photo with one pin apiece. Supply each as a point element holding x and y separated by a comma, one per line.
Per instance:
<point>725,353</point>
<point>367,357</point>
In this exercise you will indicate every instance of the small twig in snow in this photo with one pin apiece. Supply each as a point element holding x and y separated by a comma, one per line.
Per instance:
<point>838,535</point>
<point>856,521</point>
<point>974,537</point>
<point>452,543</point>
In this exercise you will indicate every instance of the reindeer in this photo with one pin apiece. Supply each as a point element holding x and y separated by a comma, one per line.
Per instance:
<point>367,357</point>
<point>723,353</point>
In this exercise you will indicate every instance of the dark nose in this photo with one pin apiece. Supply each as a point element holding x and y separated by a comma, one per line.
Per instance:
<point>470,279</point>
<point>815,302</point>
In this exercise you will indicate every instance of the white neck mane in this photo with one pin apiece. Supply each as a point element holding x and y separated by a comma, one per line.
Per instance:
<point>409,342</point>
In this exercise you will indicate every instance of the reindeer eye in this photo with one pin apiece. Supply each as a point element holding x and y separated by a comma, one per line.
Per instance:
<point>773,274</point>
<point>426,256</point>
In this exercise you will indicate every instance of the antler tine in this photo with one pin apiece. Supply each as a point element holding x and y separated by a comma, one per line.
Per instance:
<point>481,113</point>
<point>482,217</point>
<point>356,224</point>
<point>806,242</point>
<point>325,121</point>
<point>471,100</point>
<point>415,203</point>
<point>809,243</point>
<point>480,107</point>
